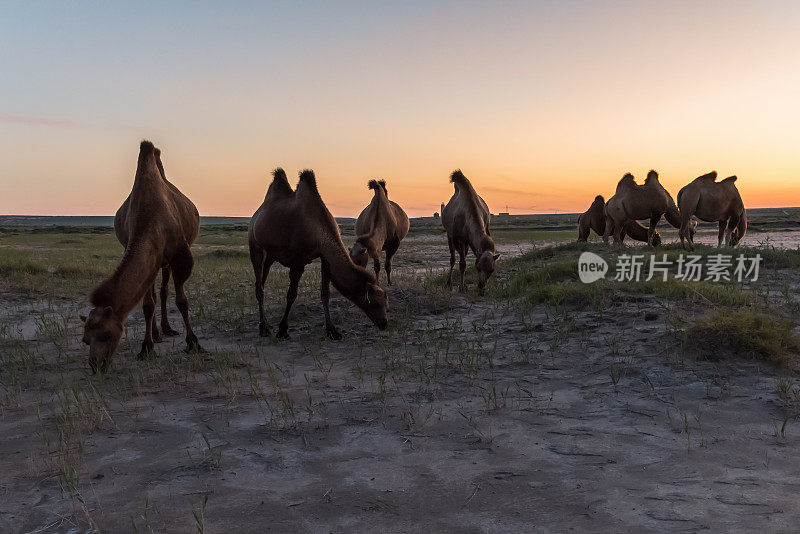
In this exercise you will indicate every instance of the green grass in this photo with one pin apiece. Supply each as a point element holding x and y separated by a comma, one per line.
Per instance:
<point>549,275</point>
<point>747,332</point>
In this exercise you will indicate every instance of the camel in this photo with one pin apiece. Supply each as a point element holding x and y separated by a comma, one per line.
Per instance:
<point>121,230</point>
<point>380,226</point>
<point>294,228</point>
<point>633,202</point>
<point>595,219</point>
<point>466,220</point>
<point>713,201</point>
<point>157,224</point>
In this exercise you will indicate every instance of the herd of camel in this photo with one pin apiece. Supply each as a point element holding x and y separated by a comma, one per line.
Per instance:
<point>157,225</point>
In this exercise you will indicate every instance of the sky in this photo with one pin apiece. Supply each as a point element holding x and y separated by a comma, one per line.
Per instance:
<point>543,105</point>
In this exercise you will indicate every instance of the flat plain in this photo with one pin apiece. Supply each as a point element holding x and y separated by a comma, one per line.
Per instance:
<point>545,405</point>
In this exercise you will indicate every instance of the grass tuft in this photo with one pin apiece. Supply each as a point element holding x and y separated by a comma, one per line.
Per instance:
<point>747,332</point>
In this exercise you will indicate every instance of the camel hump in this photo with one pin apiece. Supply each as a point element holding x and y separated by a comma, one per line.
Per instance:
<point>307,177</point>
<point>599,200</point>
<point>379,186</point>
<point>709,176</point>
<point>626,180</point>
<point>729,179</point>
<point>279,175</point>
<point>146,147</point>
<point>651,175</point>
<point>457,177</point>
<point>280,181</point>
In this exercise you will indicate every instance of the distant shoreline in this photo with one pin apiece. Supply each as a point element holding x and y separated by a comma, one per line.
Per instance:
<point>791,213</point>
<point>759,220</point>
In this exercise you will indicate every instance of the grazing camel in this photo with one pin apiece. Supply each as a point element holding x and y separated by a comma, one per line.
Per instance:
<point>713,201</point>
<point>122,232</point>
<point>632,202</point>
<point>158,225</point>
<point>595,219</point>
<point>466,220</point>
<point>380,226</point>
<point>294,228</point>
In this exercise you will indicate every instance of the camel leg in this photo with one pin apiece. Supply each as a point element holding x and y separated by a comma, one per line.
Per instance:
<point>390,252</point>
<point>462,267</point>
<point>607,231</point>
<point>683,231</point>
<point>376,264</point>
<point>182,265</point>
<point>651,231</point>
<point>166,329</point>
<point>260,271</point>
<point>149,309</point>
<point>733,222</point>
<point>722,225</point>
<point>325,294</point>
<point>291,295</point>
<point>452,261</point>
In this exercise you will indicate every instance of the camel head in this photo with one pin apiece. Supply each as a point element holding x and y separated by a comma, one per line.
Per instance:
<point>359,254</point>
<point>375,304</point>
<point>102,331</point>
<point>485,266</point>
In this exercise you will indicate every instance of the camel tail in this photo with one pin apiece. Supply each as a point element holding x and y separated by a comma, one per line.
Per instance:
<point>307,177</point>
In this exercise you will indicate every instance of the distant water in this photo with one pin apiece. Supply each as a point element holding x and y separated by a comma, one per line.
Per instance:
<point>102,220</point>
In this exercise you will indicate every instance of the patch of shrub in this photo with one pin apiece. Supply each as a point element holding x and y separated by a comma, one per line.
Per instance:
<point>747,332</point>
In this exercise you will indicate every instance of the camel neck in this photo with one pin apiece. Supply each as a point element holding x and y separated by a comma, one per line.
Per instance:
<point>133,277</point>
<point>344,273</point>
<point>479,240</point>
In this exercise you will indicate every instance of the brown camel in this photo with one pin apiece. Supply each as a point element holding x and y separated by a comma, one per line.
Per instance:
<point>158,225</point>
<point>595,219</point>
<point>633,202</point>
<point>122,232</point>
<point>713,201</point>
<point>294,228</point>
<point>466,220</point>
<point>380,226</point>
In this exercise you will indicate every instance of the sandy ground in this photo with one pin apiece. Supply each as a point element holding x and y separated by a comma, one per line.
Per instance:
<point>467,415</point>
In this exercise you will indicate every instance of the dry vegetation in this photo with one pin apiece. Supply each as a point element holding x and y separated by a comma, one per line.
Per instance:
<point>548,403</point>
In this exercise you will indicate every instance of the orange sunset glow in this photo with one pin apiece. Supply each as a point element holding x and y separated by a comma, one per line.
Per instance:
<point>542,105</point>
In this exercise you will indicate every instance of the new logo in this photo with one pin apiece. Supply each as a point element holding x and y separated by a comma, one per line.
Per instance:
<point>591,267</point>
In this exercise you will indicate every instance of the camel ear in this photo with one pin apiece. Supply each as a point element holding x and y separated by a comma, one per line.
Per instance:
<point>496,257</point>
<point>83,318</point>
